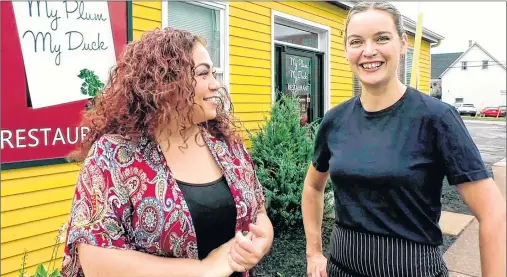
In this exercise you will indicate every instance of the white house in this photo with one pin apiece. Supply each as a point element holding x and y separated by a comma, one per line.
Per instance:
<point>476,78</point>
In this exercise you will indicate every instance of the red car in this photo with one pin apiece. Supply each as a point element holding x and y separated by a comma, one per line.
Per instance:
<point>493,112</point>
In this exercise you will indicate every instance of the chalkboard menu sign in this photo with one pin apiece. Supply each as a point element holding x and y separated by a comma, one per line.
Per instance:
<point>298,76</point>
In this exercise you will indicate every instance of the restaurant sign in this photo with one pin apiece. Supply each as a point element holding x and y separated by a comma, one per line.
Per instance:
<point>55,56</point>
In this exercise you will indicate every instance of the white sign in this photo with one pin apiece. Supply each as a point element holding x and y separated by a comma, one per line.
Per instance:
<point>58,41</point>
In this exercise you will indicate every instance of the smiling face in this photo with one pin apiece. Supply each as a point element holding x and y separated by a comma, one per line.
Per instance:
<point>373,47</point>
<point>206,97</point>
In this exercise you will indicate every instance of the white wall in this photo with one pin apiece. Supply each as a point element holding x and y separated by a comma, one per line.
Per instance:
<point>475,85</point>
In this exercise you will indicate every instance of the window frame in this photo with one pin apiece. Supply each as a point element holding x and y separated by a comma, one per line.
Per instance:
<point>464,65</point>
<point>223,8</point>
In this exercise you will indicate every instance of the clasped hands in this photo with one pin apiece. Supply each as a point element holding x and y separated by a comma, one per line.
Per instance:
<point>247,250</point>
<point>239,254</point>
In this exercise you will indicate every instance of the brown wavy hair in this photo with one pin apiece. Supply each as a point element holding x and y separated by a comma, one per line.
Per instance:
<point>152,82</point>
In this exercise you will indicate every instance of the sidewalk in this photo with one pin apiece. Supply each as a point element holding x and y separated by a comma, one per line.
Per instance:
<point>494,122</point>
<point>463,257</point>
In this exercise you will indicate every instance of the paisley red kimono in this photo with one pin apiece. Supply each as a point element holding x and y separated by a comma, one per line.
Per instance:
<point>127,198</point>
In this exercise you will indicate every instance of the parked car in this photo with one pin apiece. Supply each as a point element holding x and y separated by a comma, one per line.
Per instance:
<point>467,109</point>
<point>493,112</point>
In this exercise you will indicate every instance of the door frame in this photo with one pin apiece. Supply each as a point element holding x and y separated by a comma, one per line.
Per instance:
<point>317,60</point>
<point>324,33</point>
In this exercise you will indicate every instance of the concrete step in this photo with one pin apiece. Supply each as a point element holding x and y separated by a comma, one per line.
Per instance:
<point>456,274</point>
<point>454,223</point>
<point>463,257</point>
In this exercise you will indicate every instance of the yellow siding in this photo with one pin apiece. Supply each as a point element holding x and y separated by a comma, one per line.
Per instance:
<point>145,16</point>
<point>424,64</point>
<point>35,204</point>
<point>250,50</point>
<point>250,54</point>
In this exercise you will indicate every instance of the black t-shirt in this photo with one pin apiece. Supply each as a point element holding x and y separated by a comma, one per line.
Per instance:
<point>213,213</point>
<point>387,167</point>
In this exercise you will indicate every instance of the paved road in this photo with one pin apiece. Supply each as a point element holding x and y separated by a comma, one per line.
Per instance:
<point>490,139</point>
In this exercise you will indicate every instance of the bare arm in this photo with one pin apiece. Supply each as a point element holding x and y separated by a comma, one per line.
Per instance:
<point>313,208</point>
<point>487,204</point>
<point>98,261</point>
<point>264,222</point>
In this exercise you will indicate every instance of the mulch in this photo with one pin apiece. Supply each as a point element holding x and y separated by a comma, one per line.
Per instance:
<point>287,258</point>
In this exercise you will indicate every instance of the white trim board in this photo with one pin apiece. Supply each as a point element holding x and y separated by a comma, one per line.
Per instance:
<point>324,33</point>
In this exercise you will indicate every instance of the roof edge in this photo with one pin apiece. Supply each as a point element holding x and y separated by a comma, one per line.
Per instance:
<point>464,53</point>
<point>410,25</point>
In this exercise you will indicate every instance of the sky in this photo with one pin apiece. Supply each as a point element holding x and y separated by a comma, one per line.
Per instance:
<point>459,22</point>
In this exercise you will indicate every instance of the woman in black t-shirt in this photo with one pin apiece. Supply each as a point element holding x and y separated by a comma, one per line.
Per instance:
<point>387,152</point>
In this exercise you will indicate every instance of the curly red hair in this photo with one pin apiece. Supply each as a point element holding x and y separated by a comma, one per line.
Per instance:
<point>152,81</point>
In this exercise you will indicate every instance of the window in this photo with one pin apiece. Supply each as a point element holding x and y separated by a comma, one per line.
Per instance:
<point>296,36</point>
<point>401,69</point>
<point>408,65</point>
<point>208,20</point>
<point>485,64</point>
<point>356,86</point>
<point>405,67</point>
<point>463,65</point>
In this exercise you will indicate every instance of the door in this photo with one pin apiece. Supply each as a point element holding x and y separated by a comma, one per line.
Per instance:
<point>300,72</point>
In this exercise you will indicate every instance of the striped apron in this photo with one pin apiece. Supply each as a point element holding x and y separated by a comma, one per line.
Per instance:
<point>355,254</point>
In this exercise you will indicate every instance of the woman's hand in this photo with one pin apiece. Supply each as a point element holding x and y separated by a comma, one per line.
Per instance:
<point>248,250</point>
<point>216,263</point>
<point>316,265</point>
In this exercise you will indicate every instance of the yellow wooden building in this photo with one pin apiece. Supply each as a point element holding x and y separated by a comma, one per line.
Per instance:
<point>257,48</point>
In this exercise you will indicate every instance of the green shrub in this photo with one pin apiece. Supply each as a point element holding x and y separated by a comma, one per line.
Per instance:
<point>282,150</point>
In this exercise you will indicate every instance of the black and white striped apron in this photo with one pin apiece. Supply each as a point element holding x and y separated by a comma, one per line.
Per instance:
<point>355,254</point>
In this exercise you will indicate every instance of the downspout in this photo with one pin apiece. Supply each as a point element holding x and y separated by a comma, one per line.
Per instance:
<point>436,44</point>
<point>436,95</point>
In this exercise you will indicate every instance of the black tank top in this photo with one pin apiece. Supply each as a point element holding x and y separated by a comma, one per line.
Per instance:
<point>213,213</point>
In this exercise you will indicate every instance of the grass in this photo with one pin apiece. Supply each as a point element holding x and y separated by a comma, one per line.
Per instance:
<point>483,118</point>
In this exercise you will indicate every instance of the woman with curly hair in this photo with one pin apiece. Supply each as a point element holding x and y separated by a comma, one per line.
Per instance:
<point>166,186</point>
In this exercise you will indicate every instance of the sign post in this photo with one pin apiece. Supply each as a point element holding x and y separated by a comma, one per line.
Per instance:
<point>414,79</point>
